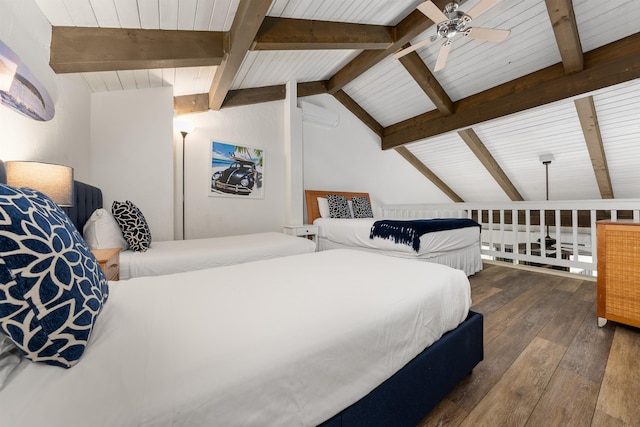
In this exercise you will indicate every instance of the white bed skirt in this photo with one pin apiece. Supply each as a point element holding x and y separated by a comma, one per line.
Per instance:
<point>466,259</point>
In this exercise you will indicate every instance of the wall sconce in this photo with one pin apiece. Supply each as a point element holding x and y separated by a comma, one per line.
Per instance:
<point>185,127</point>
<point>55,181</point>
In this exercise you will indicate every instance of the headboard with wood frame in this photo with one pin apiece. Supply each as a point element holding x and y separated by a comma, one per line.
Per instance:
<point>311,196</point>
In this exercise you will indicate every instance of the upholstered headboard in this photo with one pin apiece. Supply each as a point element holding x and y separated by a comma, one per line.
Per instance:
<point>311,196</point>
<point>3,173</point>
<point>87,199</point>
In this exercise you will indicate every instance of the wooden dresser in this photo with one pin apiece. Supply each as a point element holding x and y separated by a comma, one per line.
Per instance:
<point>618,272</point>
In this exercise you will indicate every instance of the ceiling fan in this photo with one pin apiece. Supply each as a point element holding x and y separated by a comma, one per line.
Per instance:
<point>451,23</point>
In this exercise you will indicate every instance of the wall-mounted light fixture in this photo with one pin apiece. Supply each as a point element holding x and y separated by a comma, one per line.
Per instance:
<point>55,181</point>
<point>185,127</point>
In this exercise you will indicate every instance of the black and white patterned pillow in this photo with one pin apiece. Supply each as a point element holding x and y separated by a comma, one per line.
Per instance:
<point>338,206</point>
<point>133,224</point>
<point>361,207</point>
<point>51,286</point>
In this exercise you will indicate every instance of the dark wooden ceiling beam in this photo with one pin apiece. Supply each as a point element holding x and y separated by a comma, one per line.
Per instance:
<point>359,112</point>
<point>298,34</point>
<point>187,104</point>
<point>608,65</point>
<point>565,28</point>
<point>478,148</point>
<point>424,170</point>
<point>409,28</point>
<point>82,49</point>
<point>588,116</point>
<point>238,97</point>
<point>200,102</point>
<point>245,26</point>
<point>427,82</point>
<point>312,88</point>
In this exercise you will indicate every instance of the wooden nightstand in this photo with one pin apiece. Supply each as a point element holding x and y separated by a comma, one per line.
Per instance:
<point>109,260</point>
<point>309,231</point>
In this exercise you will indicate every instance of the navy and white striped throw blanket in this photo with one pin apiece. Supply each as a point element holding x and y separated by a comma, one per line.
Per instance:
<point>409,232</point>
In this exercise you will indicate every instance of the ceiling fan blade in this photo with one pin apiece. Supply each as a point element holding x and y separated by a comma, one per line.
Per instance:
<point>488,34</point>
<point>403,52</point>
<point>481,8</point>
<point>442,56</point>
<point>432,12</point>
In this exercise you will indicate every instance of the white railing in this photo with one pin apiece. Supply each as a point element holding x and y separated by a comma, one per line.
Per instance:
<point>577,251</point>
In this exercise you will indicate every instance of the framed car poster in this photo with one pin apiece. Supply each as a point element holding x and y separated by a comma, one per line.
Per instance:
<point>236,171</point>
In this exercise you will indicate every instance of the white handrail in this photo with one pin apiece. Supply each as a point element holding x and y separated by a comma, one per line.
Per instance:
<point>520,242</point>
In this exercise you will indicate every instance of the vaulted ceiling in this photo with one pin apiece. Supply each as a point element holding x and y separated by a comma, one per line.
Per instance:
<point>566,81</point>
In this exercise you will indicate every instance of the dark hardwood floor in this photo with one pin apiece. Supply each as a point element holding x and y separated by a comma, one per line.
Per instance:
<point>546,362</point>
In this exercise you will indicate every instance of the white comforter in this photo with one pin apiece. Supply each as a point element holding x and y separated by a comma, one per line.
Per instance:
<point>177,256</point>
<point>355,232</point>
<point>282,342</point>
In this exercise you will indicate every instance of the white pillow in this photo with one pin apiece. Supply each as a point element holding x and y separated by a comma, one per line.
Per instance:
<point>9,358</point>
<point>102,231</point>
<point>323,206</point>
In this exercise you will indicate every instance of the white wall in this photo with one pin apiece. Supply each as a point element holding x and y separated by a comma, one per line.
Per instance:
<point>65,138</point>
<point>259,126</point>
<point>349,158</point>
<point>344,158</point>
<point>132,153</point>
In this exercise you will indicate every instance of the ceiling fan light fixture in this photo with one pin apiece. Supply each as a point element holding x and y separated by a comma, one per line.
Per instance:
<point>451,22</point>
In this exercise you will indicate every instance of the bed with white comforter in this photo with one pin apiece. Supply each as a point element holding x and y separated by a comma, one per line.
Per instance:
<point>459,248</point>
<point>175,256</point>
<point>281,342</point>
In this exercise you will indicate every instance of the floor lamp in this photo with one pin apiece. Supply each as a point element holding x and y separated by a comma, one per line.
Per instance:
<point>185,127</point>
<point>546,161</point>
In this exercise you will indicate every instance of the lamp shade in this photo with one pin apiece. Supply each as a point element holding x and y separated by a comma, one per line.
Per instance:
<point>183,125</point>
<point>55,181</point>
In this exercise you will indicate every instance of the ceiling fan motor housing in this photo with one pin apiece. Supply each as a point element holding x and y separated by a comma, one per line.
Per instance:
<point>456,24</point>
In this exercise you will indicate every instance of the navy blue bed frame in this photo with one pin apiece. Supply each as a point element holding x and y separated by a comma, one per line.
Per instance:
<point>412,392</point>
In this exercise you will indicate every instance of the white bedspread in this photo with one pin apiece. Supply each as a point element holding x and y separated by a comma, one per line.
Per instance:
<point>177,256</point>
<point>282,342</point>
<point>355,232</point>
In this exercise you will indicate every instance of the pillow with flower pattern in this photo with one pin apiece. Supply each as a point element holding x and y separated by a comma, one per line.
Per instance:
<point>338,206</point>
<point>51,286</point>
<point>361,207</point>
<point>133,225</point>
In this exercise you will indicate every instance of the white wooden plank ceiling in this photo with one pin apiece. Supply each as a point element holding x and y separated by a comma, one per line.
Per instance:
<point>390,95</point>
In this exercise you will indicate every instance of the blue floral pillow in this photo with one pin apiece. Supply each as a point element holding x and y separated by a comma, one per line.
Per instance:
<point>51,286</point>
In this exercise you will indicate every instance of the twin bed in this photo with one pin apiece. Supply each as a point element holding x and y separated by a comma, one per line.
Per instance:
<point>176,256</point>
<point>334,338</point>
<point>457,248</point>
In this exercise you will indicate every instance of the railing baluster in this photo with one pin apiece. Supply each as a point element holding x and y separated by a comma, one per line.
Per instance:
<point>527,229</point>
<point>574,232</point>
<point>543,223</point>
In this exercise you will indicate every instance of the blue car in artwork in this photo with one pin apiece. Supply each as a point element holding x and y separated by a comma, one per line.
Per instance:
<point>239,178</point>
